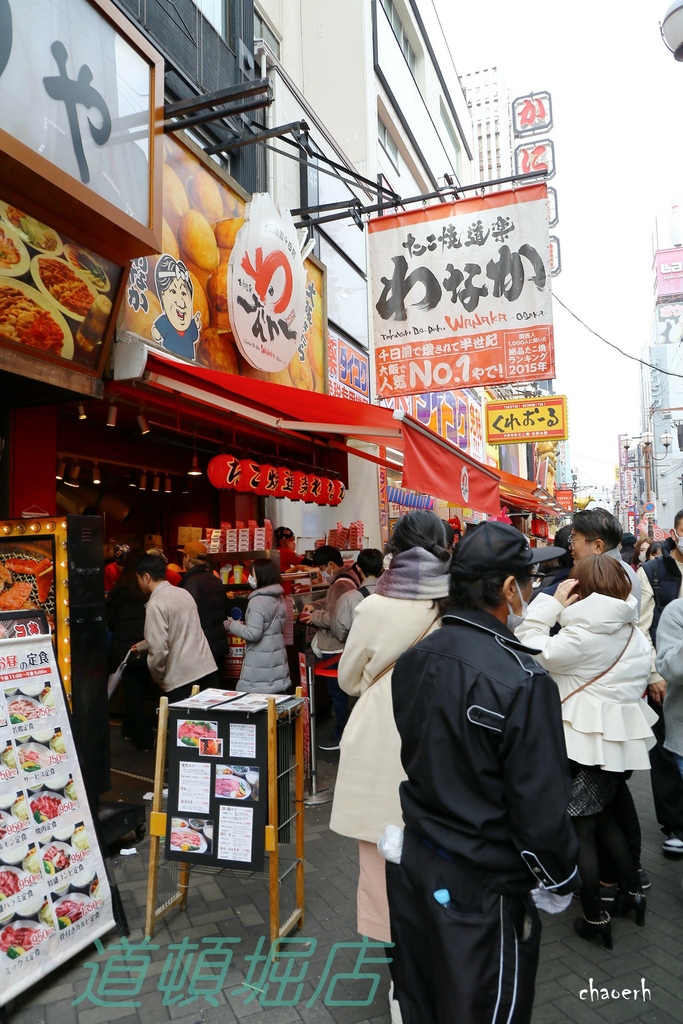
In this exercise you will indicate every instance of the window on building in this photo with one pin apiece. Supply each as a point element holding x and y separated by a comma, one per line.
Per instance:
<point>400,33</point>
<point>453,138</point>
<point>387,143</point>
<point>215,12</point>
<point>261,31</point>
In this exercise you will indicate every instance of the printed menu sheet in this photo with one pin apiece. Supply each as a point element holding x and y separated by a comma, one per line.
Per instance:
<point>54,894</point>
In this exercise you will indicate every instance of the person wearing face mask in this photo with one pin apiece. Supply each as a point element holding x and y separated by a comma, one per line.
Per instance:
<point>600,662</point>
<point>209,595</point>
<point>641,552</point>
<point>265,668</point>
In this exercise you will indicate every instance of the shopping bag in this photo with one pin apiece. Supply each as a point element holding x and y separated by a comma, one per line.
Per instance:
<point>115,677</point>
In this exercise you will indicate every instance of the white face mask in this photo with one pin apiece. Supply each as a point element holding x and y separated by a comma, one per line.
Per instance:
<point>679,542</point>
<point>327,576</point>
<point>513,619</point>
<point>251,580</point>
<point>642,555</point>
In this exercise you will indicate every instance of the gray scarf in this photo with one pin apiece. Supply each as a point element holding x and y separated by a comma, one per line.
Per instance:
<point>415,575</point>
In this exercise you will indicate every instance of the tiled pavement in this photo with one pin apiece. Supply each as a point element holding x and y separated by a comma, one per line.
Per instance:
<point>232,904</point>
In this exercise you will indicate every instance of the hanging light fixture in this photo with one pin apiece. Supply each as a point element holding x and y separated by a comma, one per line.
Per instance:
<point>96,478</point>
<point>61,469</point>
<point>143,424</point>
<point>143,481</point>
<point>167,485</point>
<point>194,469</point>
<point>81,412</point>
<point>72,479</point>
<point>155,483</point>
<point>131,481</point>
<point>111,416</point>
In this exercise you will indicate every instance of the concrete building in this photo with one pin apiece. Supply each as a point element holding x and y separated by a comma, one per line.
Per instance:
<point>488,99</point>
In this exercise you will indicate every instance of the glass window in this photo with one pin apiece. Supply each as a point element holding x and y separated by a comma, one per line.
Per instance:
<point>400,33</point>
<point>214,12</point>
<point>347,294</point>
<point>261,31</point>
<point>387,143</point>
<point>450,132</point>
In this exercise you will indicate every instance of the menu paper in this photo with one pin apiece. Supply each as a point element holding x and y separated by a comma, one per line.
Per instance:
<point>54,893</point>
<point>194,787</point>
<point>234,833</point>
<point>242,740</point>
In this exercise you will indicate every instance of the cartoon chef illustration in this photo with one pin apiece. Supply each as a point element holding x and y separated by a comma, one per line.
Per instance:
<point>177,329</point>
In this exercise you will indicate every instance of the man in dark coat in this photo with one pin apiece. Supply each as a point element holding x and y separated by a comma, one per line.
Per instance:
<point>209,595</point>
<point>485,799</point>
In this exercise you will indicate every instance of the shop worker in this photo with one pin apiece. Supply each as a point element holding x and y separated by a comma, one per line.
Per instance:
<point>209,595</point>
<point>113,571</point>
<point>285,542</point>
<point>324,644</point>
<point>485,799</point>
<point>178,654</point>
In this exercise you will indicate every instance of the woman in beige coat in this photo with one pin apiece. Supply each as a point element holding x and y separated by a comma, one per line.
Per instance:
<point>407,605</point>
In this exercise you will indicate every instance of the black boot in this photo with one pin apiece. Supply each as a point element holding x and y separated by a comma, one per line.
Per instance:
<point>630,897</point>
<point>595,922</point>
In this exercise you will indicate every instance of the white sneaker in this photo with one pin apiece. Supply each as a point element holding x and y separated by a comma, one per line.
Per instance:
<point>394,1008</point>
<point>673,843</point>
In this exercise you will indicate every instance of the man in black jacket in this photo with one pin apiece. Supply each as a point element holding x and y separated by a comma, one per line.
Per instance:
<point>209,595</point>
<point>485,799</point>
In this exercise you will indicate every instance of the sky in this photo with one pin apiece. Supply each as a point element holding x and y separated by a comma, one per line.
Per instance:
<point>617,96</point>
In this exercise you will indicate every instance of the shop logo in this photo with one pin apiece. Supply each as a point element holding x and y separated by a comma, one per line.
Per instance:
<point>267,287</point>
<point>465,484</point>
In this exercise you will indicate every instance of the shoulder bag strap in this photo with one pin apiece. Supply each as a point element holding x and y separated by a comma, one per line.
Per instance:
<point>595,678</point>
<point>388,668</point>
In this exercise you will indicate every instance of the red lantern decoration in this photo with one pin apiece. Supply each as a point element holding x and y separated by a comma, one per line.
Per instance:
<point>285,483</point>
<point>315,490</point>
<point>224,471</point>
<point>250,477</point>
<point>269,480</point>
<point>300,486</point>
<point>329,490</point>
<point>339,492</point>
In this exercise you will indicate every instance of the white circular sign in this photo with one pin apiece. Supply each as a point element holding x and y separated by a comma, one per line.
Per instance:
<point>465,483</point>
<point>267,286</point>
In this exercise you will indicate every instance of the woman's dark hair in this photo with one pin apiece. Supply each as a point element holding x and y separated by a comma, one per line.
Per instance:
<point>655,549</point>
<point>266,572</point>
<point>370,561</point>
<point>420,529</point>
<point>642,542</point>
<point>601,574</point>
<point>483,593</point>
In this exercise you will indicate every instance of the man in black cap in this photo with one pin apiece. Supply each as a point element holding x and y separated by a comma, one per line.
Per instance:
<point>484,802</point>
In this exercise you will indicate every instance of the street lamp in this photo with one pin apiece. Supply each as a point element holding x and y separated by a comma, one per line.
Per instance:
<point>672,29</point>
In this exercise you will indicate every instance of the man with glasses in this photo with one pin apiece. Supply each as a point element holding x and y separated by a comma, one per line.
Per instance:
<point>597,532</point>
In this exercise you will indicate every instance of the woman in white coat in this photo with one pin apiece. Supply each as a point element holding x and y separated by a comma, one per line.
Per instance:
<point>600,661</point>
<point>407,605</point>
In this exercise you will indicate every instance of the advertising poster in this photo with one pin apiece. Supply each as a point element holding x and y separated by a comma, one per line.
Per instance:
<point>527,419</point>
<point>349,369</point>
<point>182,299</point>
<point>27,576</point>
<point>54,894</point>
<point>218,779</point>
<point>461,294</point>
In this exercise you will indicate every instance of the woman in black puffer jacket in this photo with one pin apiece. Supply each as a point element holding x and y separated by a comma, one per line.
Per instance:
<point>126,622</point>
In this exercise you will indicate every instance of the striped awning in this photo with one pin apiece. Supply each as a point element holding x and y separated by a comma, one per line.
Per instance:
<point>409,498</point>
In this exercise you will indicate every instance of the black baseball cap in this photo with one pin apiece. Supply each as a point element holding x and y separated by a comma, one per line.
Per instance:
<point>283,533</point>
<point>495,548</point>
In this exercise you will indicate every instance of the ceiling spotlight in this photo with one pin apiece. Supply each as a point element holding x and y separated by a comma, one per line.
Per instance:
<point>81,411</point>
<point>72,479</point>
<point>167,485</point>
<point>131,481</point>
<point>61,469</point>
<point>111,416</point>
<point>143,424</point>
<point>96,478</point>
<point>155,483</point>
<point>143,482</point>
<point>194,469</point>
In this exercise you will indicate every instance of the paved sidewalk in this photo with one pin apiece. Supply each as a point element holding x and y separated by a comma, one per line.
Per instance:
<point>236,905</point>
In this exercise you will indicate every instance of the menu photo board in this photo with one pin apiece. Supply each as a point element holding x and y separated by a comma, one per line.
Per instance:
<point>56,296</point>
<point>218,779</point>
<point>54,893</point>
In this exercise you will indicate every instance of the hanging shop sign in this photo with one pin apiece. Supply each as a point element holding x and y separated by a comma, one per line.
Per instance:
<point>180,301</point>
<point>532,114</point>
<point>267,298</point>
<point>564,496</point>
<point>461,296</point>
<point>669,323</point>
<point>539,527</point>
<point>348,369</point>
<point>527,419</point>
<point>80,93</point>
<point>535,157</point>
<point>669,273</point>
<point>229,472</point>
<point>54,889</point>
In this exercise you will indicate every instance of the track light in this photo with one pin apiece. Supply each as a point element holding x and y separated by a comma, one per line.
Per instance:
<point>155,483</point>
<point>111,416</point>
<point>96,478</point>
<point>167,485</point>
<point>194,469</point>
<point>131,481</point>
<point>72,479</point>
<point>143,424</point>
<point>61,469</point>
<point>81,412</point>
<point>143,481</point>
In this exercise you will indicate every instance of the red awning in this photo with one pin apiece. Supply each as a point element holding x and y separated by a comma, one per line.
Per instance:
<point>521,494</point>
<point>431,464</point>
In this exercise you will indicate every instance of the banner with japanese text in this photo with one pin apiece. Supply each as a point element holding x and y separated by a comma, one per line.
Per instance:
<point>527,419</point>
<point>461,294</point>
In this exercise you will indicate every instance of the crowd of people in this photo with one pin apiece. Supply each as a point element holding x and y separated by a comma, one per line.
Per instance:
<point>493,697</point>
